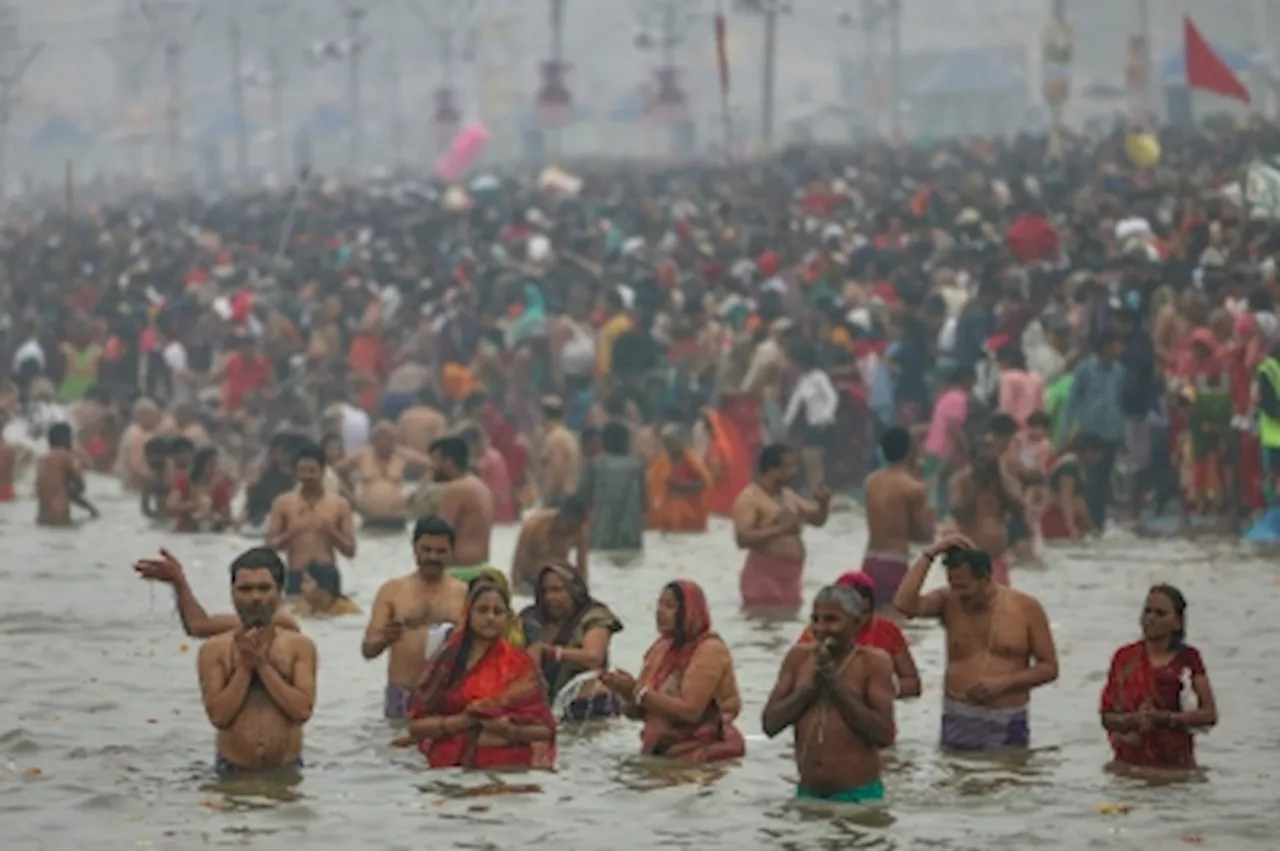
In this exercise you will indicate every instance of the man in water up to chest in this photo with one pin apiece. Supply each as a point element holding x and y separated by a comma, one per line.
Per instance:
<point>258,682</point>
<point>999,647</point>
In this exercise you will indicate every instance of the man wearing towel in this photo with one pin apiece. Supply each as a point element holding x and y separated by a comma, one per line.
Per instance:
<point>999,647</point>
<point>767,518</point>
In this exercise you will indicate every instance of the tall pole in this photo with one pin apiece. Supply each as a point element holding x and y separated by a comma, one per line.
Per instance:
<point>235,36</point>
<point>167,20</point>
<point>769,82</point>
<point>1144,29</point>
<point>557,56</point>
<point>355,16</point>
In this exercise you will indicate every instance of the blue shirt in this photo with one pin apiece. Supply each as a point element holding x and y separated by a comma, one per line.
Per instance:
<point>1094,406</point>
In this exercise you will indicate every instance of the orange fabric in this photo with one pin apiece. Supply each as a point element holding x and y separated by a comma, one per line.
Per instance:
<point>667,513</point>
<point>457,381</point>
<point>728,461</point>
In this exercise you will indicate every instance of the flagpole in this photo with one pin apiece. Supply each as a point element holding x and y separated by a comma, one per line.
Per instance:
<point>1144,28</point>
<point>722,64</point>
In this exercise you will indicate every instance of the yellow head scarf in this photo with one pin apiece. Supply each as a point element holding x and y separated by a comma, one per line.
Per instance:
<point>515,630</point>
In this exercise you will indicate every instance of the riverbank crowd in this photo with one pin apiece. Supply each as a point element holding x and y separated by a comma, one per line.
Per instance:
<point>992,350</point>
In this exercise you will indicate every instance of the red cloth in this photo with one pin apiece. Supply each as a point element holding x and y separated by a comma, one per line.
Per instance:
<point>503,683</point>
<point>1031,239</point>
<point>1206,70</point>
<point>222,491</point>
<point>767,582</point>
<point>1133,683</point>
<point>244,375</point>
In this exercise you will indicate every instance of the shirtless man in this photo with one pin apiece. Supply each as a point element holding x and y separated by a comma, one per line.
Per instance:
<point>422,424</point>
<point>550,535</point>
<point>407,607</point>
<point>196,622</point>
<point>561,455</point>
<point>767,519</point>
<point>155,494</point>
<point>309,523</point>
<point>187,422</point>
<point>382,467</point>
<point>466,504</point>
<point>258,682</point>
<point>983,499</point>
<point>897,513</point>
<point>132,462</point>
<point>839,697</point>
<point>999,647</point>
<point>59,483</point>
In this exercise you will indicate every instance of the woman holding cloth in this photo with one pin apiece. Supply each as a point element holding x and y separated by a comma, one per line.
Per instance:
<point>687,694</point>
<point>481,702</point>
<point>569,633</point>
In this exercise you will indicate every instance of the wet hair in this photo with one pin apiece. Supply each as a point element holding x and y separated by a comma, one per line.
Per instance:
<point>1091,442</point>
<point>179,445</point>
<point>312,451</point>
<point>434,527</point>
<point>1011,356</point>
<point>978,561</point>
<point>327,577</point>
<point>616,438</point>
<point>1179,639</point>
<point>157,446</point>
<point>282,441</point>
<point>846,597</point>
<point>471,435</point>
<point>772,457</point>
<point>453,449</point>
<point>259,558</point>
<point>1039,420</point>
<point>962,374</point>
<point>60,436</point>
<point>552,409</point>
<point>572,507</point>
<point>205,456</point>
<point>1003,425</point>
<point>895,444</point>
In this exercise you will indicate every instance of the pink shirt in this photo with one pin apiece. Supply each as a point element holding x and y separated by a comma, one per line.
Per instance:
<point>1021,394</point>
<point>952,407</point>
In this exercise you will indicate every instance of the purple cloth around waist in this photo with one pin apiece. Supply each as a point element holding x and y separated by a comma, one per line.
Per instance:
<point>396,700</point>
<point>980,728</point>
<point>886,571</point>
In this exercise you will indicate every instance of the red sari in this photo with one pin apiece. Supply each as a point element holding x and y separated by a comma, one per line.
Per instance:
<point>729,462</point>
<point>504,683</point>
<point>1133,684</point>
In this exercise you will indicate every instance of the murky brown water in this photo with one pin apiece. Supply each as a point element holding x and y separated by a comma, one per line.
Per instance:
<point>104,744</point>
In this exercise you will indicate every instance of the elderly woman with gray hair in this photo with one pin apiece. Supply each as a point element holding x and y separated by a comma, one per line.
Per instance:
<point>838,695</point>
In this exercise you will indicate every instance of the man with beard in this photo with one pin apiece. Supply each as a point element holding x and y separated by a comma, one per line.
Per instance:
<point>839,697</point>
<point>466,504</point>
<point>407,607</point>
<point>984,499</point>
<point>310,523</point>
<point>999,647</point>
<point>258,682</point>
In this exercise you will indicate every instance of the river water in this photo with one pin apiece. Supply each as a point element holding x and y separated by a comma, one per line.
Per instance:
<point>104,744</point>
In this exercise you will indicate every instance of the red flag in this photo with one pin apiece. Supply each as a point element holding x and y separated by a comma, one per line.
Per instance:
<point>1206,70</point>
<point>722,56</point>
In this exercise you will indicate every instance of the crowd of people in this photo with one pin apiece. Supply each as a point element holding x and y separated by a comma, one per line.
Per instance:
<point>992,348</point>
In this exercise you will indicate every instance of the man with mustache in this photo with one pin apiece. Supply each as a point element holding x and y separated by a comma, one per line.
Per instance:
<point>407,607</point>
<point>258,682</point>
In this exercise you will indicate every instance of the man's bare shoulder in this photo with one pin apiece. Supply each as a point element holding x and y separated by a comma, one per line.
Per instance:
<point>746,498</point>
<point>797,656</point>
<point>1026,603</point>
<point>293,642</point>
<point>875,660</point>
<point>214,647</point>
<point>286,501</point>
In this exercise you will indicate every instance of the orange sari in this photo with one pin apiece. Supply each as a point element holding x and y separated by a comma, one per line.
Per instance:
<point>714,737</point>
<point>667,513</point>
<point>728,461</point>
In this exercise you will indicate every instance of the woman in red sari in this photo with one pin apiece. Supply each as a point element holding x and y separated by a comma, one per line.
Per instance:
<point>687,694</point>
<point>1142,703</point>
<point>481,702</point>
